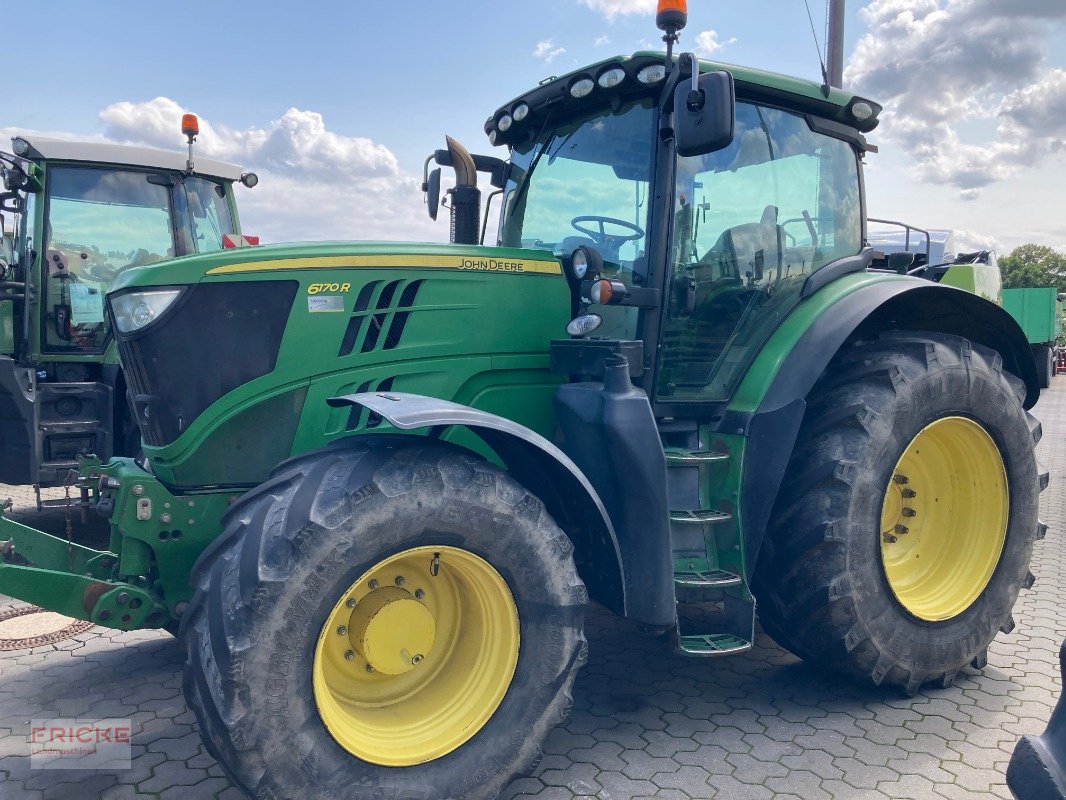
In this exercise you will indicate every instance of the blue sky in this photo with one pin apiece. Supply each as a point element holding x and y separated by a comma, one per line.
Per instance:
<point>388,80</point>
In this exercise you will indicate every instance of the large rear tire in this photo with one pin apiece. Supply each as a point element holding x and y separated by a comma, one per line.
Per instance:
<point>905,526</point>
<point>389,618</point>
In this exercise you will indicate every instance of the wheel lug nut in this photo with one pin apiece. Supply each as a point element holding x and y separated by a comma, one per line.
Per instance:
<point>901,529</point>
<point>400,580</point>
<point>888,537</point>
<point>419,594</point>
<point>901,479</point>
<point>350,603</point>
<point>373,583</point>
<point>341,631</point>
<point>909,493</point>
<point>349,655</point>
<point>909,512</point>
<point>417,659</point>
<point>369,668</point>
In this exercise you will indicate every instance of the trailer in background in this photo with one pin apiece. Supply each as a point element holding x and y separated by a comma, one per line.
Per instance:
<point>1039,312</point>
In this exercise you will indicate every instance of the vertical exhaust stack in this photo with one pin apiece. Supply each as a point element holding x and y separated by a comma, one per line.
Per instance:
<point>466,197</point>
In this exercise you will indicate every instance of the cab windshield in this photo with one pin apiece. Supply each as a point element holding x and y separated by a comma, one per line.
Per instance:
<point>103,221</point>
<point>585,182</point>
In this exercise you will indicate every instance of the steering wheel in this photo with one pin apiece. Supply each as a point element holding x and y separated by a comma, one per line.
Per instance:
<point>602,238</point>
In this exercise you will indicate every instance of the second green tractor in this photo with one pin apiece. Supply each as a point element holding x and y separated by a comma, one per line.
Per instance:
<point>382,481</point>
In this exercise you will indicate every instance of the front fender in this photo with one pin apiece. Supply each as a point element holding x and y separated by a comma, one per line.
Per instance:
<point>538,465</point>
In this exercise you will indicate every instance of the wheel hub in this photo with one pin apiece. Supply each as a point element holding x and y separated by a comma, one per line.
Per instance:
<point>416,656</point>
<point>392,630</point>
<point>944,519</point>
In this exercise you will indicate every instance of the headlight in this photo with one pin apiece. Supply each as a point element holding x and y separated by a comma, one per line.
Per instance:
<point>584,325</point>
<point>504,123</point>
<point>582,87</point>
<point>133,310</point>
<point>20,146</point>
<point>521,111</point>
<point>653,73</point>
<point>580,264</point>
<point>611,78</point>
<point>862,111</point>
<point>584,261</point>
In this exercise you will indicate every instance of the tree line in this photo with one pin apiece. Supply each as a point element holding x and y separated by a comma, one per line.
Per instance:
<point>1033,265</point>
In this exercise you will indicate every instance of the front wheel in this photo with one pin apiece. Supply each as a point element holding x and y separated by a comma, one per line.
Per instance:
<point>395,617</point>
<point>905,526</point>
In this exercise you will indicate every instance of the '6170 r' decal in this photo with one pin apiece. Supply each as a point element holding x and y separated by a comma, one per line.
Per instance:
<point>318,288</point>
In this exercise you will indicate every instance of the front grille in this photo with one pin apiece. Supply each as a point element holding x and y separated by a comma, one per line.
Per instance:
<point>217,337</point>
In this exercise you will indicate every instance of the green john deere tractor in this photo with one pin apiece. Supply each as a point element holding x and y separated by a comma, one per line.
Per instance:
<point>73,215</point>
<point>381,481</point>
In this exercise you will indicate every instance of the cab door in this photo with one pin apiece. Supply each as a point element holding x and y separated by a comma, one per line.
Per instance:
<point>751,223</point>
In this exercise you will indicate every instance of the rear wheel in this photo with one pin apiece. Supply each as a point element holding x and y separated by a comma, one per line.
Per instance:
<point>394,616</point>
<point>904,529</point>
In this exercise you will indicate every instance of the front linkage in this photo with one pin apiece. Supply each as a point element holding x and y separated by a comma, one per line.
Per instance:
<point>141,579</point>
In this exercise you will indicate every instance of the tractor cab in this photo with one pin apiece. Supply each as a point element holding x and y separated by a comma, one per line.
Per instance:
<point>75,216</point>
<point>693,220</point>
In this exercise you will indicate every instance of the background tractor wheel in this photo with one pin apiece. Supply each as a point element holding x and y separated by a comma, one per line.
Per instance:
<point>396,617</point>
<point>1045,364</point>
<point>904,528</point>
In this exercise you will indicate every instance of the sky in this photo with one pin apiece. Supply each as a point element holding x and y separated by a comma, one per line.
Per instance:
<point>337,105</point>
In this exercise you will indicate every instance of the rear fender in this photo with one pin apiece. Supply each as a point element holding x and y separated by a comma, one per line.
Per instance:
<point>892,304</point>
<point>538,465</point>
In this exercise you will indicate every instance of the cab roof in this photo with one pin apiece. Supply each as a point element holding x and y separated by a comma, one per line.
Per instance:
<point>798,94</point>
<point>45,148</point>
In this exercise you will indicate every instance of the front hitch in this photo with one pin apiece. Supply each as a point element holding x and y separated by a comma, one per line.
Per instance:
<point>71,579</point>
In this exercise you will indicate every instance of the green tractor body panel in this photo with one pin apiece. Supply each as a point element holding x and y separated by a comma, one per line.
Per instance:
<point>462,323</point>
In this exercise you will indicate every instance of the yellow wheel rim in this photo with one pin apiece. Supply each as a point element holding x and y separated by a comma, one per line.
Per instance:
<point>944,519</point>
<point>416,656</point>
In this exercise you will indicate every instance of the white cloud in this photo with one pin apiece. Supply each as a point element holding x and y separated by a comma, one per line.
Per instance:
<point>315,184</point>
<point>948,68</point>
<point>707,43</point>
<point>615,8</point>
<point>971,241</point>
<point>547,51</point>
<point>601,41</point>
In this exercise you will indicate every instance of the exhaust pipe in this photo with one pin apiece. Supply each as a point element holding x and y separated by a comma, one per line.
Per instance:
<point>466,197</point>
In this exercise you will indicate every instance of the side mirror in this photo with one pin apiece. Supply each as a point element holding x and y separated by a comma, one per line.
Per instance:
<point>704,115</point>
<point>433,193</point>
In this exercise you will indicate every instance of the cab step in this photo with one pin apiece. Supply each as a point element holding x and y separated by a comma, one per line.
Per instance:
<point>703,516</point>
<point>726,630</point>
<point>712,644</point>
<point>695,575</point>
<point>693,458</point>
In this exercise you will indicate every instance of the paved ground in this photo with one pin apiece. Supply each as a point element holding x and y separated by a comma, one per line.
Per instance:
<point>645,723</point>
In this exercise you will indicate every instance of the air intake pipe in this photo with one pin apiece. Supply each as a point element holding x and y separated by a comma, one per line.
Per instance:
<point>466,197</point>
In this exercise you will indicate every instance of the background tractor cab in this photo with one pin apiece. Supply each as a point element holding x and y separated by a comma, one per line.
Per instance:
<point>74,216</point>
